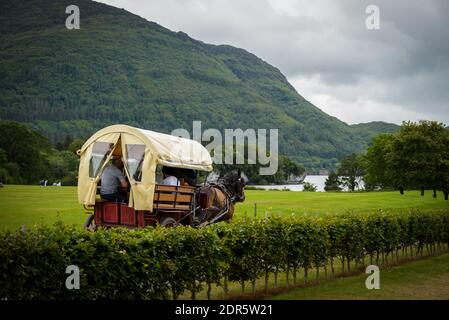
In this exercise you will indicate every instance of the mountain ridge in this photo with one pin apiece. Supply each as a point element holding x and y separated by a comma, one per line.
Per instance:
<point>121,68</point>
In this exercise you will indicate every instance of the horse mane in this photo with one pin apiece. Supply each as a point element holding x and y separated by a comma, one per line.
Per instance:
<point>230,176</point>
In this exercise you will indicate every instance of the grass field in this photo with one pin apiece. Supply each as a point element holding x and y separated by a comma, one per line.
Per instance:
<point>288,202</point>
<point>424,279</point>
<point>28,205</point>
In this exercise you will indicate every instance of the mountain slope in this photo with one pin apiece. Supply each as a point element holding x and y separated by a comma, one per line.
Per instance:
<point>120,68</point>
<point>370,129</point>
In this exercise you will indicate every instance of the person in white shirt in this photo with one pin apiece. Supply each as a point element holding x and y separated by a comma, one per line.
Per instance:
<point>169,178</point>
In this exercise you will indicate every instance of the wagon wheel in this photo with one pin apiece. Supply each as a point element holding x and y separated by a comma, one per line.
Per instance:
<point>168,222</point>
<point>89,224</point>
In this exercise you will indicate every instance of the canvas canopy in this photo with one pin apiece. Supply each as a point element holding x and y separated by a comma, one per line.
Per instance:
<point>141,151</point>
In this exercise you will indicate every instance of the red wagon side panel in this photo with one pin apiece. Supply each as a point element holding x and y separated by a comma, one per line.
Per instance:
<point>98,213</point>
<point>111,213</point>
<point>128,216</point>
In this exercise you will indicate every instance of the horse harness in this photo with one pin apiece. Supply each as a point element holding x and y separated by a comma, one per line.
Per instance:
<point>229,198</point>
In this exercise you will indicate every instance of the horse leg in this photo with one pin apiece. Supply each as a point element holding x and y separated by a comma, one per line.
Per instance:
<point>230,214</point>
<point>211,213</point>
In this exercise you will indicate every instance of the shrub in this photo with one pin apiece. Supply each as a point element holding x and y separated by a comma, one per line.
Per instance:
<point>309,187</point>
<point>162,263</point>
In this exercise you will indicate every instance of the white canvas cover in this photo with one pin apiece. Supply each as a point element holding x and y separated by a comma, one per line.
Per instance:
<point>142,151</point>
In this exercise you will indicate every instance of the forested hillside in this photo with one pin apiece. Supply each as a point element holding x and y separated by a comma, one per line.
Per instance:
<point>120,68</point>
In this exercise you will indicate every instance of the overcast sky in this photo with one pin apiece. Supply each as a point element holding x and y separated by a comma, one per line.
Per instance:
<point>399,72</point>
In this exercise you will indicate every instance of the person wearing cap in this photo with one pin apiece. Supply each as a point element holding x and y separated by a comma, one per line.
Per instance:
<point>112,180</point>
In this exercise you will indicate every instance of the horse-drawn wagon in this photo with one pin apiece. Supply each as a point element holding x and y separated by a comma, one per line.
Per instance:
<point>149,202</point>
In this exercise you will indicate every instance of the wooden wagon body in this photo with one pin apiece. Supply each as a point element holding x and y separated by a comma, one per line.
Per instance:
<point>172,205</point>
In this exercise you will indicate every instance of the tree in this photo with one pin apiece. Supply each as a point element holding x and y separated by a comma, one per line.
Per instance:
<point>64,145</point>
<point>443,165</point>
<point>416,157</point>
<point>286,167</point>
<point>27,157</point>
<point>332,182</point>
<point>375,162</point>
<point>350,170</point>
<point>3,162</point>
<point>437,153</point>
<point>75,145</point>
<point>24,149</point>
<point>309,187</point>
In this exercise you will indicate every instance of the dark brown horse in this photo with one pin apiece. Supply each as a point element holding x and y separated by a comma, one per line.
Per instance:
<point>217,200</point>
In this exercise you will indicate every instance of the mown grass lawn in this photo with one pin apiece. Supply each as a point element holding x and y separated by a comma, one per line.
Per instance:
<point>424,279</point>
<point>288,202</point>
<point>28,205</point>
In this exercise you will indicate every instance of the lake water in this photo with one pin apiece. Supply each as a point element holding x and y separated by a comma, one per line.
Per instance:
<point>317,180</point>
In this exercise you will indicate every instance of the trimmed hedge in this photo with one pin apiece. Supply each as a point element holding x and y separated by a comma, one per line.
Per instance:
<point>163,263</point>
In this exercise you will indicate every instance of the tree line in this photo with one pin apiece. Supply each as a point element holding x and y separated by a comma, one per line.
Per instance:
<point>414,158</point>
<point>27,157</point>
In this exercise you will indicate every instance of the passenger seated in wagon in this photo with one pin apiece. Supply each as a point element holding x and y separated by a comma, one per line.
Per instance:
<point>178,176</point>
<point>169,177</point>
<point>113,182</point>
